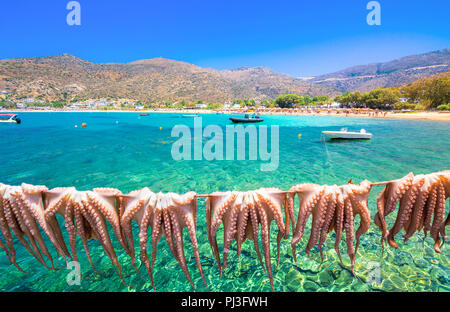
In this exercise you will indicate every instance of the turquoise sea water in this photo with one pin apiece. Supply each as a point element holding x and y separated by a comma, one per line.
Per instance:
<point>126,151</point>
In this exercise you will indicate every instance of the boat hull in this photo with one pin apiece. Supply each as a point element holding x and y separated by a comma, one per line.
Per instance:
<point>14,122</point>
<point>347,135</point>
<point>246,120</point>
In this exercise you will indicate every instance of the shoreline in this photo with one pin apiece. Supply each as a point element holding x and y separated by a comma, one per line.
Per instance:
<point>427,116</point>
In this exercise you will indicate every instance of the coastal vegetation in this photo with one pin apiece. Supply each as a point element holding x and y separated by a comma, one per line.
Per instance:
<point>295,100</point>
<point>424,94</point>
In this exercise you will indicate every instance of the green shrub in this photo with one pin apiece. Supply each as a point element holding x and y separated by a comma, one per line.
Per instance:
<point>400,106</point>
<point>444,107</point>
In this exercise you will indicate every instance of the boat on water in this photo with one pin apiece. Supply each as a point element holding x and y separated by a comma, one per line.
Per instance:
<point>9,119</point>
<point>247,119</point>
<point>347,135</point>
<point>191,116</point>
<point>144,115</point>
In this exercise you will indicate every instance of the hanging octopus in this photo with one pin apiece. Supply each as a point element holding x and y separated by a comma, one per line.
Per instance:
<point>421,201</point>
<point>22,211</point>
<point>85,213</point>
<point>167,215</point>
<point>241,214</point>
<point>444,176</point>
<point>332,208</point>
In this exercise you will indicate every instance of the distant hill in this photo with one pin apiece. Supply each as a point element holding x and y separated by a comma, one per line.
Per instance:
<point>66,77</point>
<point>384,75</point>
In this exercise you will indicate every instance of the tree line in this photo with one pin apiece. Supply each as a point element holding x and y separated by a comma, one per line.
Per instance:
<point>424,94</point>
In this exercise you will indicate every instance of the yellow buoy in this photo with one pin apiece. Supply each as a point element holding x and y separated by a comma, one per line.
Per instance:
<point>160,128</point>
<point>299,135</point>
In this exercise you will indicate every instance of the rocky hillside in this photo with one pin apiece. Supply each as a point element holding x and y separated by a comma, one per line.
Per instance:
<point>390,74</point>
<point>66,77</point>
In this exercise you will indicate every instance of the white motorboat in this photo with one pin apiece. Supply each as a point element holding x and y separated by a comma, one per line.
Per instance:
<point>345,134</point>
<point>191,116</point>
<point>9,119</point>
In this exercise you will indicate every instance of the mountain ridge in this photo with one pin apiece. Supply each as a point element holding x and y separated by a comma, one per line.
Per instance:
<point>387,74</point>
<point>67,77</point>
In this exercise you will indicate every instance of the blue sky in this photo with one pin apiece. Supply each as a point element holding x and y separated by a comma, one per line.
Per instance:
<point>301,38</point>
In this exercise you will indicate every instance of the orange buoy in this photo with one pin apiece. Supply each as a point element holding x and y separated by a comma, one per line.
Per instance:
<point>84,125</point>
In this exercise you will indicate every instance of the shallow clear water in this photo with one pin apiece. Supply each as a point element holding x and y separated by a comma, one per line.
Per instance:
<point>126,151</point>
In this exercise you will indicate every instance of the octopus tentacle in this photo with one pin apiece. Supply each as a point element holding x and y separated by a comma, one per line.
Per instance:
<point>168,231</point>
<point>418,209</point>
<point>157,230</point>
<point>230,225</point>
<point>132,209</point>
<point>274,200</point>
<point>144,223</point>
<point>339,222</point>
<point>166,214</point>
<point>326,227</point>
<point>290,208</point>
<point>255,227</point>
<point>97,223</point>
<point>13,224</point>
<point>359,199</point>
<point>82,232</point>
<point>33,205</point>
<point>241,214</point>
<point>387,201</point>
<point>310,196</point>
<point>191,225</point>
<point>31,231</point>
<point>429,209</point>
<point>24,227</point>
<point>405,210</point>
<point>178,235</point>
<point>10,252</point>
<point>219,203</point>
<point>318,221</point>
<point>438,218</point>
<point>349,228</point>
<point>103,199</point>
<point>265,232</point>
<point>242,222</point>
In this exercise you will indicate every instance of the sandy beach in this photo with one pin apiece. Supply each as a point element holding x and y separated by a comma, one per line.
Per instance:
<point>423,115</point>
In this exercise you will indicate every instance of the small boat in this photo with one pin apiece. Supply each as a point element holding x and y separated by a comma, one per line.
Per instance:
<point>220,113</point>
<point>190,116</point>
<point>9,118</point>
<point>247,119</point>
<point>143,114</point>
<point>345,134</point>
